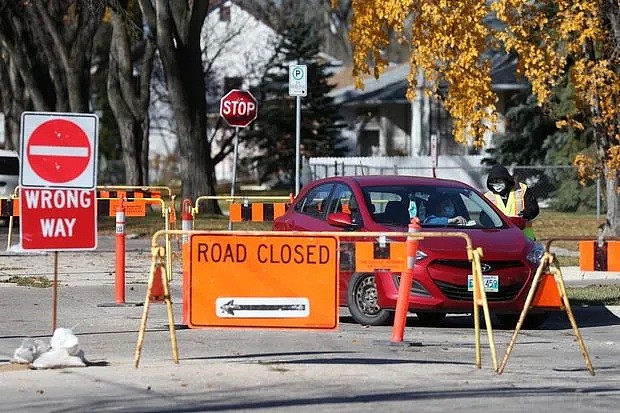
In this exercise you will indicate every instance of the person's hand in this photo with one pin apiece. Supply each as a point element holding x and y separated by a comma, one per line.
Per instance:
<point>457,220</point>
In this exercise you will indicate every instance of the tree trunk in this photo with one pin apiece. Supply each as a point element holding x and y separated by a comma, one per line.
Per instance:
<point>178,27</point>
<point>128,96</point>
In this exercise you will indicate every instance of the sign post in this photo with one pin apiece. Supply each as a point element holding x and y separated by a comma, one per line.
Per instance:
<point>434,153</point>
<point>298,87</point>
<point>58,179</point>
<point>238,108</point>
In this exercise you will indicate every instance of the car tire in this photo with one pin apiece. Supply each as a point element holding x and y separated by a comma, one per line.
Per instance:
<point>430,319</point>
<point>531,322</point>
<point>363,303</point>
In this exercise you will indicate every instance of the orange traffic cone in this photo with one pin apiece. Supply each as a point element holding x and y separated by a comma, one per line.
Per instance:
<point>157,289</point>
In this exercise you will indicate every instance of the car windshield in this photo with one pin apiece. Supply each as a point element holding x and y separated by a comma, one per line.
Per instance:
<point>435,206</point>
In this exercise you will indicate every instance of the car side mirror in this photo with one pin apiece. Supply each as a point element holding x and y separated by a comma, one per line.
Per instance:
<point>340,219</point>
<point>519,221</point>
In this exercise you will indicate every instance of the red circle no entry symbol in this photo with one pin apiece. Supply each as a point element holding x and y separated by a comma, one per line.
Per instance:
<point>58,151</point>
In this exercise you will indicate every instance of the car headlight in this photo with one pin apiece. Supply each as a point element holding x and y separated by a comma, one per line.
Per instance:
<point>536,252</point>
<point>420,255</point>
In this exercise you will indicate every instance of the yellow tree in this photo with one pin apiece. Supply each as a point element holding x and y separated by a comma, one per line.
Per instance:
<point>448,40</point>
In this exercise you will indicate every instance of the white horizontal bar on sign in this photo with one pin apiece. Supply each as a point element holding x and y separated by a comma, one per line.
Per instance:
<point>262,307</point>
<point>77,151</point>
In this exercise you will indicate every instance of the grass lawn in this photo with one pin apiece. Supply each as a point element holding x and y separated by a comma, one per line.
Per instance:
<point>554,225</point>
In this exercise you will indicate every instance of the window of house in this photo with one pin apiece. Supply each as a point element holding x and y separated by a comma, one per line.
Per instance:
<point>225,12</point>
<point>232,82</point>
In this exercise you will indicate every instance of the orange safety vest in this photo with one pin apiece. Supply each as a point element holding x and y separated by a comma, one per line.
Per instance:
<point>514,205</point>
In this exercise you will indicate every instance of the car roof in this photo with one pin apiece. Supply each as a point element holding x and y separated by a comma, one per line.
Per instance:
<point>4,152</point>
<point>380,180</point>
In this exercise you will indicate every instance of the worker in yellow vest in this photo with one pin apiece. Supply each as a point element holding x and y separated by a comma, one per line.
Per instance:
<point>511,197</point>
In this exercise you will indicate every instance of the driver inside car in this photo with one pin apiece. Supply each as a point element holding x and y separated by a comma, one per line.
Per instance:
<point>444,214</point>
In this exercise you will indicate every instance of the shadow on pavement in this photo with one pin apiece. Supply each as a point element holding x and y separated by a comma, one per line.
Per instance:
<point>585,316</point>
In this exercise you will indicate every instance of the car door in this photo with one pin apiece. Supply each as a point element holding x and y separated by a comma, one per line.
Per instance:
<point>311,210</point>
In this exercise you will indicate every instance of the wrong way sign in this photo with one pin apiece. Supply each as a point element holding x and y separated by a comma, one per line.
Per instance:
<point>59,150</point>
<point>58,219</point>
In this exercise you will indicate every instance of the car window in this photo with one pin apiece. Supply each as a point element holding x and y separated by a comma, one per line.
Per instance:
<point>9,165</point>
<point>9,172</point>
<point>341,199</point>
<point>395,205</point>
<point>314,203</point>
<point>389,207</point>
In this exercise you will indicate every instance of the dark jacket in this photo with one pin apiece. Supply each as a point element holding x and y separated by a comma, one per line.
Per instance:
<point>531,209</point>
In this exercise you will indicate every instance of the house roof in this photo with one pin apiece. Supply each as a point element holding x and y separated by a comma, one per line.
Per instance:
<point>392,85</point>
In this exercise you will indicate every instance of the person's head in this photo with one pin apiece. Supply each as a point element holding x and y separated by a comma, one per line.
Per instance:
<point>446,208</point>
<point>442,206</point>
<point>499,180</point>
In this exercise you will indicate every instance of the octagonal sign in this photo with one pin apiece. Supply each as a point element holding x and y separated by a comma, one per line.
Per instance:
<point>238,108</point>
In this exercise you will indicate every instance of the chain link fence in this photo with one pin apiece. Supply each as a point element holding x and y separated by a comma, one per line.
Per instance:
<point>555,186</point>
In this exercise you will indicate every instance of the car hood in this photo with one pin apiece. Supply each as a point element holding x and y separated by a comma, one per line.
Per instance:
<point>496,244</point>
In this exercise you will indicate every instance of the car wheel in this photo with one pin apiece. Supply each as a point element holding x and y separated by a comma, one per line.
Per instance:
<point>363,303</point>
<point>430,319</point>
<point>532,321</point>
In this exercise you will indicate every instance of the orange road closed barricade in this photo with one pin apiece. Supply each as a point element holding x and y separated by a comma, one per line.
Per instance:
<point>257,212</point>
<point>263,281</point>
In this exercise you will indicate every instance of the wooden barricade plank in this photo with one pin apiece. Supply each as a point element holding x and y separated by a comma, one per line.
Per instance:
<point>256,211</point>
<point>235,212</point>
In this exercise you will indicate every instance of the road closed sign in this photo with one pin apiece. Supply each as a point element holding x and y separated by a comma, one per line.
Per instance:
<point>276,281</point>
<point>59,150</point>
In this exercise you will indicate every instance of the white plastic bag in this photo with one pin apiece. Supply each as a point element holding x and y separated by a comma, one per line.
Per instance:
<point>65,352</point>
<point>29,351</point>
<point>57,358</point>
<point>64,338</point>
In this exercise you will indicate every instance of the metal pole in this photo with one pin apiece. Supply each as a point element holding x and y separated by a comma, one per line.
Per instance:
<point>234,171</point>
<point>55,293</point>
<point>297,140</point>
<point>598,198</point>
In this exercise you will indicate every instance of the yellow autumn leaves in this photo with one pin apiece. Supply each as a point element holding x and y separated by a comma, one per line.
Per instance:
<point>448,40</point>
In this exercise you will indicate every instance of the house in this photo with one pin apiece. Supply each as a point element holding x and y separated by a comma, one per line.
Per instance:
<point>380,121</point>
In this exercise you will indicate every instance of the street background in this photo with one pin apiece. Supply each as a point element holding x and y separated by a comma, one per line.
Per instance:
<point>354,368</point>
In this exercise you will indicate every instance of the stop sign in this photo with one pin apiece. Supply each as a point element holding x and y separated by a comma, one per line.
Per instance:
<point>239,108</point>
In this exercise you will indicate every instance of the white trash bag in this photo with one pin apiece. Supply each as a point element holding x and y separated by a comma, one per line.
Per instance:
<point>65,352</point>
<point>64,338</point>
<point>29,351</point>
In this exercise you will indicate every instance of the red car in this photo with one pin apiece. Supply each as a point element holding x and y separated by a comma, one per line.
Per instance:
<point>442,274</point>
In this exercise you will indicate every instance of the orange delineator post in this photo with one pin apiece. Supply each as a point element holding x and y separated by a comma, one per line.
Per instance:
<point>119,280</point>
<point>404,289</point>
<point>187,224</point>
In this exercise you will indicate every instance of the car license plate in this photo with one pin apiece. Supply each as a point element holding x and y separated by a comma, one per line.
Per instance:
<point>491,283</point>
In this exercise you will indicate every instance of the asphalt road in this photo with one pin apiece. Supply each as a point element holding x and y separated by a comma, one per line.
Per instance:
<point>353,368</point>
